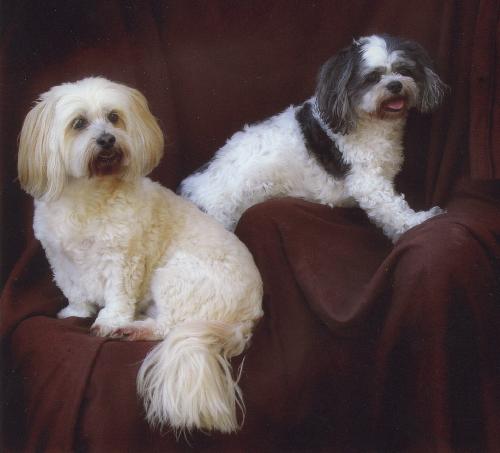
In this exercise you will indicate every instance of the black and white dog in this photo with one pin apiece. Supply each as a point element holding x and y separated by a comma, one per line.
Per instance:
<point>341,147</point>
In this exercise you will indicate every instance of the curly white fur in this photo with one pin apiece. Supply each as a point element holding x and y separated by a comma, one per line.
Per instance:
<point>361,104</point>
<point>149,262</point>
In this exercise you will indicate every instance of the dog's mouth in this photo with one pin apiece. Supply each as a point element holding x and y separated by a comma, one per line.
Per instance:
<point>395,105</point>
<point>106,162</point>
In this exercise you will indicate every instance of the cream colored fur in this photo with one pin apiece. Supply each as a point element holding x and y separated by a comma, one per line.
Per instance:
<point>149,263</point>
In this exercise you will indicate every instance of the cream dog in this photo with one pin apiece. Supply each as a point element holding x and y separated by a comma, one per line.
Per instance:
<point>149,263</point>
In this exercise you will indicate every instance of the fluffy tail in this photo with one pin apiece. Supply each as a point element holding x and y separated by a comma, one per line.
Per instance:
<point>186,381</point>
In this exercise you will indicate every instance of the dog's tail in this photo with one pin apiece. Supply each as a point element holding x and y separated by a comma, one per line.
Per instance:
<point>187,381</point>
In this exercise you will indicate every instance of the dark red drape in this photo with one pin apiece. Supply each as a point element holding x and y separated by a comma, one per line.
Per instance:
<point>364,345</point>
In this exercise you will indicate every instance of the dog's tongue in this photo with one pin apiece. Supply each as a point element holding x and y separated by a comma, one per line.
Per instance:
<point>396,104</point>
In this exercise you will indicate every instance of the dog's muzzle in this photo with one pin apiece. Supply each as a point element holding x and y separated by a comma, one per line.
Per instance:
<point>107,158</point>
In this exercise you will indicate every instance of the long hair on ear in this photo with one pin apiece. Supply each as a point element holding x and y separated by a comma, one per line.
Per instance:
<point>433,89</point>
<point>145,133</point>
<point>40,166</point>
<point>332,95</point>
<point>433,92</point>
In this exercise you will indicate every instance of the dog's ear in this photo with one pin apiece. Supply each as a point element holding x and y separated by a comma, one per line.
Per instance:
<point>433,91</point>
<point>145,133</point>
<point>40,166</point>
<point>332,94</point>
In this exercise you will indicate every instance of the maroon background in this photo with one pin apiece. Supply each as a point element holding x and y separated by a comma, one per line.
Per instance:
<point>364,345</point>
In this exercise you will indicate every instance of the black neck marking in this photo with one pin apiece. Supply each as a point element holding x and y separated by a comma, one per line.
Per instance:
<point>319,145</point>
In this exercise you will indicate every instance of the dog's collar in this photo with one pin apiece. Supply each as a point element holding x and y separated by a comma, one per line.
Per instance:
<point>324,126</point>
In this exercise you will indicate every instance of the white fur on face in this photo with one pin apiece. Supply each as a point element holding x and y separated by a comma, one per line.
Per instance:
<point>374,52</point>
<point>376,57</point>
<point>80,146</point>
<point>53,148</point>
<point>92,101</point>
<point>371,101</point>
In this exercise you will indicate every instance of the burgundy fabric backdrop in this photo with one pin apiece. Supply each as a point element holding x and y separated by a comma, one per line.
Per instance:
<point>364,345</point>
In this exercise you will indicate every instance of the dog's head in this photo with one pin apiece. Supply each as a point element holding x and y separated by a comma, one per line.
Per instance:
<point>376,76</point>
<point>90,128</point>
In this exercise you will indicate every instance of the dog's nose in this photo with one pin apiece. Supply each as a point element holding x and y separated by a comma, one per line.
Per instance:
<point>106,140</point>
<point>394,86</point>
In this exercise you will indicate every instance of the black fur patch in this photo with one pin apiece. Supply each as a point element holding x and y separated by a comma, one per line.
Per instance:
<point>318,143</point>
<point>333,89</point>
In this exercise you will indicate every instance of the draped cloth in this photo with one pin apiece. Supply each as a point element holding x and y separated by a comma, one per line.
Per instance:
<point>364,345</point>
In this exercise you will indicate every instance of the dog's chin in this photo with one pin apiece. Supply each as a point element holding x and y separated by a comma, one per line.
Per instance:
<point>107,162</point>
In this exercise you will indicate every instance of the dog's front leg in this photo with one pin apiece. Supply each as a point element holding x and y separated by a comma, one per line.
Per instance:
<point>118,312</point>
<point>386,208</point>
<point>119,308</point>
<point>78,300</point>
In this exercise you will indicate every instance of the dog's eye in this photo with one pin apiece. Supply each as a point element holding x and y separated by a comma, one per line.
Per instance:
<point>373,77</point>
<point>405,72</point>
<point>113,117</point>
<point>79,123</point>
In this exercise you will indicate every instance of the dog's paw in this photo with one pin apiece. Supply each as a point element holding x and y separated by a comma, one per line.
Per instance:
<point>109,321</point>
<point>436,210</point>
<point>415,219</point>
<point>145,330</point>
<point>136,333</point>
<point>422,216</point>
<point>105,330</point>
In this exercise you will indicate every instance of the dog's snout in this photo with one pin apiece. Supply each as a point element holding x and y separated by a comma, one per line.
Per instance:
<point>394,86</point>
<point>106,140</point>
